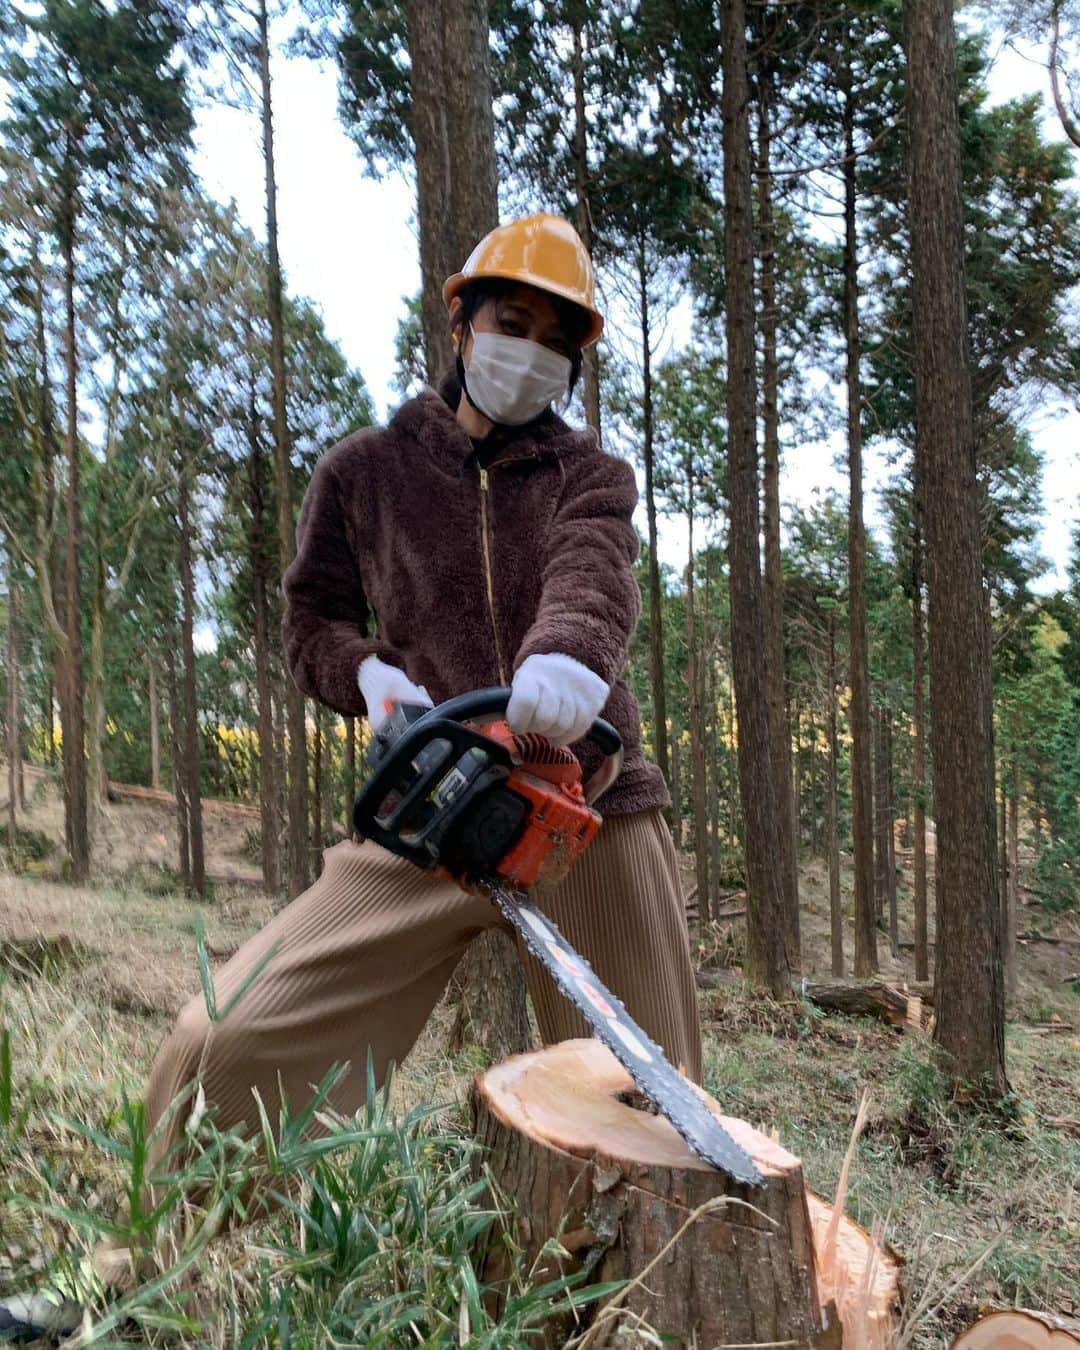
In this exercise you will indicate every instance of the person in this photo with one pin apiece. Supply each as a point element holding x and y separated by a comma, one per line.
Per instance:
<point>476,540</point>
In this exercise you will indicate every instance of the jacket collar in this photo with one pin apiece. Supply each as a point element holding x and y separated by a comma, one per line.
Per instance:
<point>431,423</point>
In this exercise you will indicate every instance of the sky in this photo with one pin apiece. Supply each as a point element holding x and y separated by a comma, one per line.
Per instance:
<point>348,242</point>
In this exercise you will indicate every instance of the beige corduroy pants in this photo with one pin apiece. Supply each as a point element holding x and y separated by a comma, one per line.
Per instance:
<point>362,957</point>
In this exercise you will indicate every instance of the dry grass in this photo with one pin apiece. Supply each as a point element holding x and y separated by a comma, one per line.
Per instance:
<point>138,840</point>
<point>86,1013</point>
<point>949,1186</point>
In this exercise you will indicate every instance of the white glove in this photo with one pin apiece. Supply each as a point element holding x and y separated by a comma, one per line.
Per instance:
<point>556,696</point>
<point>381,684</point>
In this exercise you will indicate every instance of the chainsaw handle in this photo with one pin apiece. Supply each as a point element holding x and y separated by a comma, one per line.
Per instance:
<point>493,701</point>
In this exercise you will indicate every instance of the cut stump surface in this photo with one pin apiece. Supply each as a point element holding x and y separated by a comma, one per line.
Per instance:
<point>1018,1329</point>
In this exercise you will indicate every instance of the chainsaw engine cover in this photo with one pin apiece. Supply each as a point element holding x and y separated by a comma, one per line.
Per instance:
<point>489,828</point>
<point>438,794</point>
<point>474,800</point>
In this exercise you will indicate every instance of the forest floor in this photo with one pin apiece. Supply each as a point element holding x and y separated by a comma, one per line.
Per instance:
<point>984,1209</point>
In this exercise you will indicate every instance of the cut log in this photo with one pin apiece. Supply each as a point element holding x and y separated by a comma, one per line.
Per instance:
<point>709,1262</point>
<point>137,793</point>
<point>1019,1329</point>
<point>876,999</point>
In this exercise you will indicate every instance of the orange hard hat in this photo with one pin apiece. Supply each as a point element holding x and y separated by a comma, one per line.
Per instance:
<point>542,250</point>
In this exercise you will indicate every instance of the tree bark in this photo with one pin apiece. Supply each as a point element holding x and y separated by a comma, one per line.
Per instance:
<point>969,995</point>
<point>713,785</point>
<point>918,700</point>
<point>50,719</point>
<point>269,762</point>
<point>881,813</point>
<point>453,134</point>
<point>1003,843</point>
<point>1069,123</point>
<point>299,870</point>
<point>859,714</point>
<point>97,794</point>
<point>590,364</point>
<point>734,823</point>
<point>191,706</point>
<point>773,608</point>
<point>14,749</point>
<point>697,745</point>
<point>795,723</point>
<point>316,786</point>
<point>890,799</point>
<point>553,1123</point>
<point>350,771</point>
<point>832,842</point>
<point>47,564</point>
<point>1037,808</point>
<point>815,827</point>
<point>676,793</point>
<point>176,735</point>
<point>329,718</point>
<point>766,959</point>
<point>491,1007</point>
<point>657,674</point>
<point>100,594</point>
<point>154,718</point>
<point>1012,892</point>
<point>78,833</point>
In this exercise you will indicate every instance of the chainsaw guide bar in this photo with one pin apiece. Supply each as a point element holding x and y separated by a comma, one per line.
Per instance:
<point>642,1058</point>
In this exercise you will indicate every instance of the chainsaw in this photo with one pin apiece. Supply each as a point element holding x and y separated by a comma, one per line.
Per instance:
<point>456,792</point>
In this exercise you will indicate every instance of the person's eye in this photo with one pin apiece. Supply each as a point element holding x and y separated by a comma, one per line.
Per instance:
<point>512,327</point>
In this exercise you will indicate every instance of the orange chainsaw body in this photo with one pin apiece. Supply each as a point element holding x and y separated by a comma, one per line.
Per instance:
<point>561,824</point>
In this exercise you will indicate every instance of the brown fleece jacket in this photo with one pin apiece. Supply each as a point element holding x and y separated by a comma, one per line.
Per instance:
<point>392,526</point>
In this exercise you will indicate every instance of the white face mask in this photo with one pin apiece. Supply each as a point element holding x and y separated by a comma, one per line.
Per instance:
<point>512,380</point>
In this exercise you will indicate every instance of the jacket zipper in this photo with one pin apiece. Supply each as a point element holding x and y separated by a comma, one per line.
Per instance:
<point>488,577</point>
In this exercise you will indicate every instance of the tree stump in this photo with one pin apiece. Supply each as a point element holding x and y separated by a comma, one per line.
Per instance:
<point>1019,1329</point>
<point>579,1156</point>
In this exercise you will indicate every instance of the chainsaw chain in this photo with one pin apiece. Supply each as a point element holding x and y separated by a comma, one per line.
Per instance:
<point>646,1063</point>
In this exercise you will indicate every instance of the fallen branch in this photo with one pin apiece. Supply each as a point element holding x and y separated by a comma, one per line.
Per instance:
<point>1035,936</point>
<point>137,793</point>
<point>234,879</point>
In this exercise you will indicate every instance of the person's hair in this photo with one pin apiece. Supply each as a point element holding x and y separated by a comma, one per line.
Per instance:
<point>573,320</point>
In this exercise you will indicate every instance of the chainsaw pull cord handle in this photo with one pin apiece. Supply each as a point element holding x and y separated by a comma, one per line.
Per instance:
<point>482,702</point>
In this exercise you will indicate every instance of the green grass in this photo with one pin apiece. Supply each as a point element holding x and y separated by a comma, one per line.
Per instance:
<point>951,1185</point>
<point>359,1236</point>
<point>369,1242</point>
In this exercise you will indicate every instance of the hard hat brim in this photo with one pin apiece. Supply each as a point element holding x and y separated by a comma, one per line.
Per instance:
<point>456,284</point>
